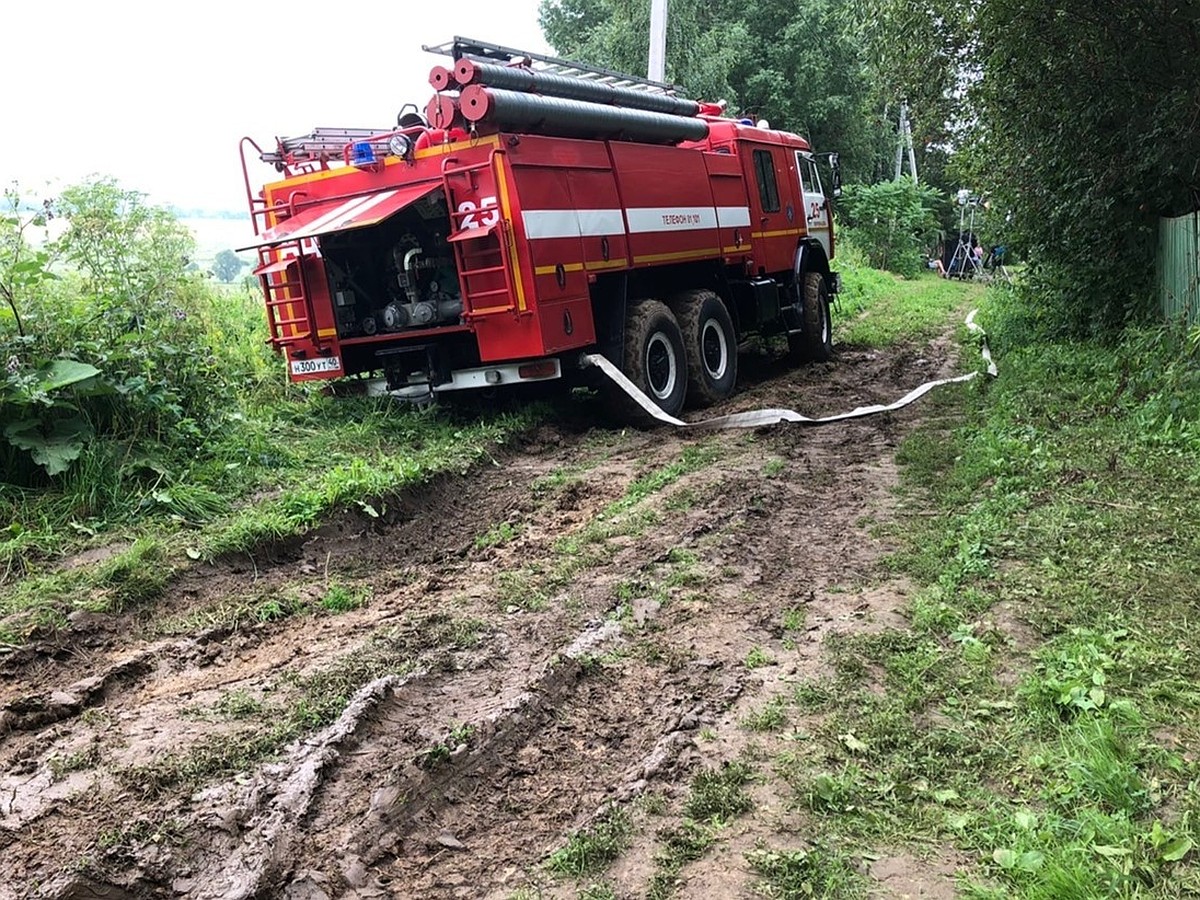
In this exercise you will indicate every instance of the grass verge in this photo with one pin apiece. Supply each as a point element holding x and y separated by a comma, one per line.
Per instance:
<point>320,457</point>
<point>1039,713</point>
<point>879,309</point>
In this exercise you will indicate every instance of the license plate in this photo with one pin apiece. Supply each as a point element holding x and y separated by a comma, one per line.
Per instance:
<point>316,366</point>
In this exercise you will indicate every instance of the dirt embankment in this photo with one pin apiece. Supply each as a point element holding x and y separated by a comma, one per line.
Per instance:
<point>562,631</point>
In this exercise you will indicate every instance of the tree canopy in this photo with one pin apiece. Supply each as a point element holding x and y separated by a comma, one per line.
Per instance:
<point>1080,121</point>
<point>799,66</point>
<point>226,266</point>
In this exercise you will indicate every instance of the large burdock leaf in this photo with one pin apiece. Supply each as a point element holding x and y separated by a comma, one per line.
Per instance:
<point>54,446</point>
<point>63,373</point>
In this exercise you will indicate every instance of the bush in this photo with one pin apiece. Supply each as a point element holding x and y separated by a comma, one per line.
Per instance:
<point>892,222</point>
<point>106,337</point>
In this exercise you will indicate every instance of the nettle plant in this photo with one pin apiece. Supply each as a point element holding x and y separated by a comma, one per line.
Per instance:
<point>101,332</point>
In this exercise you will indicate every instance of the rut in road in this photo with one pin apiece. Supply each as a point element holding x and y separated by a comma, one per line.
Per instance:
<point>545,637</point>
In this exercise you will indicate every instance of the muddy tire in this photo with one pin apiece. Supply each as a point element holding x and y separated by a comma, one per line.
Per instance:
<point>710,346</point>
<point>654,359</point>
<point>814,342</point>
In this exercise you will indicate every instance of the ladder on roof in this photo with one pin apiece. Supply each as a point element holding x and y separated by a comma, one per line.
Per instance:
<point>320,145</point>
<point>540,62</point>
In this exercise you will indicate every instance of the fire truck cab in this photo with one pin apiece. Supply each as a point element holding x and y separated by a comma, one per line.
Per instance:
<point>537,211</point>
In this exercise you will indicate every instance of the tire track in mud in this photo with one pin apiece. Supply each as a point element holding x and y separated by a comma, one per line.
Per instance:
<point>396,797</point>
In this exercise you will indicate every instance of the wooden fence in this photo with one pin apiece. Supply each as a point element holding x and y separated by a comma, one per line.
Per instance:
<point>1178,268</point>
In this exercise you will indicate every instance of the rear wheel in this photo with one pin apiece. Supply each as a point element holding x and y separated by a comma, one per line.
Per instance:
<point>814,342</point>
<point>654,359</point>
<point>710,345</point>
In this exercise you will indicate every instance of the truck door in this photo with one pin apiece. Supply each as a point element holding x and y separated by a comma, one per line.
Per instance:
<point>816,208</point>
<point>774,229</point>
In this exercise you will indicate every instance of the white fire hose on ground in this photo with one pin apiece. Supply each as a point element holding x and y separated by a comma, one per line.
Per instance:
<point>757,417</point>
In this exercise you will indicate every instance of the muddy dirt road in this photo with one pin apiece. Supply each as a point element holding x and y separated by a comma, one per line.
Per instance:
<point>581,627</point>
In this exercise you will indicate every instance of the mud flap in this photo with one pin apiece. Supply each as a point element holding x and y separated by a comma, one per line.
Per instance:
<point>755,418</point>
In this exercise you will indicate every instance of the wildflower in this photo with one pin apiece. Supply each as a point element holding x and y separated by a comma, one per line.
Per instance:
<point>180,315</point>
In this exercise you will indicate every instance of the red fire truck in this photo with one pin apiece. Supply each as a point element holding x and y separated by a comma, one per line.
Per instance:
<point>537,211</point>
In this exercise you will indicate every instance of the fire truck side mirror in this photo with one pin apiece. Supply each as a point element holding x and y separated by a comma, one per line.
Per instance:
<point>835,167</point>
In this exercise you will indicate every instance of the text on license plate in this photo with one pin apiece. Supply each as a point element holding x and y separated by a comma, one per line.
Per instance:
<point>313,366</point>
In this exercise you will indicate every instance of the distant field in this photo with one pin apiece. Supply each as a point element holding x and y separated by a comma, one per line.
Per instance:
<point>214,235</point>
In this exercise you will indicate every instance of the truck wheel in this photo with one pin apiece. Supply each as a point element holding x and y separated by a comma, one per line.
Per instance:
<point>655,359</point>
<point>710,344</point>
<point>814,343</point>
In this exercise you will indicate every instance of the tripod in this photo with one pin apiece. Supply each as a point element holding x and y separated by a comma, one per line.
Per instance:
<point>963,263</point>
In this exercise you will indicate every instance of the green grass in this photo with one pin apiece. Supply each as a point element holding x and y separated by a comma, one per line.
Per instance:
<point>314,456</point>
<point>499,534</point>
<point>339,597</point>
<point>878,309</point>
<point>1035,713</point>
<point>719,795</point>
<point>590,850</point>
<point>771,716</point>
<point>757,658</point>
<point>800,874</point>
<point>715,798</point>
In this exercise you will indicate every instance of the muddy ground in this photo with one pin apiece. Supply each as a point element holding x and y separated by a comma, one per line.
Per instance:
<point>542,637</point>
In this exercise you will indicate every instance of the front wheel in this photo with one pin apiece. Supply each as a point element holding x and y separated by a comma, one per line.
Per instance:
<point>814,341</point>
<point>711,346</point>
<point>655,359</point>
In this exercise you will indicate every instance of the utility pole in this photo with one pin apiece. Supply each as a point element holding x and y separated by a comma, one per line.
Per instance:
<point>904,141</point>
<point>658,41</point>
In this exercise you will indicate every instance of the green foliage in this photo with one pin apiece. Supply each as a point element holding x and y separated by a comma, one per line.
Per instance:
<point>878,309</point>
<point>799,874</point>
<point>719,795</point>
<point>339,598</point>
<point>107,339</point>
<point>797,65</point>
<point>893,222</point>
<point>226,266</point>
<point>592,849</point>
<point>1051,124</point>
<point>757,658</point>
<point>1060,521</point>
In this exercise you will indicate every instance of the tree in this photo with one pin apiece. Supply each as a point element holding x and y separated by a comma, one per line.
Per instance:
<point>227,265</point>
<point>797,65</point>
<point>892,221</point>
<point>1082,120</point>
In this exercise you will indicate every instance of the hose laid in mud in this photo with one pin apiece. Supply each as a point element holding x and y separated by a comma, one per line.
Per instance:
<point>757,417</point>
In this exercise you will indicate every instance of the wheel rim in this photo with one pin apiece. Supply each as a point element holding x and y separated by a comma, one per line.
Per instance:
<point>714,349</point>
<point>661,366</point>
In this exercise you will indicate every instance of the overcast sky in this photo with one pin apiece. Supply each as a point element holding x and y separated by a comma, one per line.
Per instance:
<point>159,94</point>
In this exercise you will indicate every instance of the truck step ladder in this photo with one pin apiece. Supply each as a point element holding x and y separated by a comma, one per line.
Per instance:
<point>481,253</point>
<point>289,307</point>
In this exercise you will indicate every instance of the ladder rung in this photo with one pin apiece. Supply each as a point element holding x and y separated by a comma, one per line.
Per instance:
<point>494,293</point>
<point>471,273</point>
<point>495,53</point>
